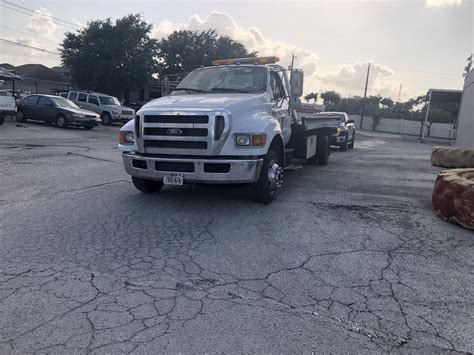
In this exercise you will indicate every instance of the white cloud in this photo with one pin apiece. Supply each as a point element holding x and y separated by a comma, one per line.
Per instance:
<point>348,79</point>
<point>442,3</point>
<point>42,23</point>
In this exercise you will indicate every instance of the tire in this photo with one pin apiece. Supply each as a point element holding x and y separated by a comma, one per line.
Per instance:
<point>61,121</point>
<point>2,120</point>
<point>106,119</point>
<point>147,186</point>
<point>344,145</point>
<point>351,144</point>
<point>88,127</point>
<point>20,116</point>
<point>323,150</point>
<point>265,188</point>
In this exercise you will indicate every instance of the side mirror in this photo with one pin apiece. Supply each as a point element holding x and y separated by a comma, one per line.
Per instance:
<point>350,121</point>
<point>51,105</point>
<point>296,83</point>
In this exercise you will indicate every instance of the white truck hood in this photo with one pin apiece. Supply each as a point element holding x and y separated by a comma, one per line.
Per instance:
<point>229,101</point>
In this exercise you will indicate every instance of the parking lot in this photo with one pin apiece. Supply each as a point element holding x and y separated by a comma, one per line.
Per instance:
<point>348,258</point>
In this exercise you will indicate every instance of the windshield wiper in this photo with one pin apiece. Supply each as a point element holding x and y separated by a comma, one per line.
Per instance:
<point>190,89</point>
<point>230,90</point>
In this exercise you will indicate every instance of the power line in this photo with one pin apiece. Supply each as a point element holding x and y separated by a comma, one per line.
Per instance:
<point>27,46</point>
<point>28,34</point>
<point>34,11</point>
<point>39,18</point>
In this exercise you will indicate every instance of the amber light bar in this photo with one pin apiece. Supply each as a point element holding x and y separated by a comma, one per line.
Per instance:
<point>253,60</point>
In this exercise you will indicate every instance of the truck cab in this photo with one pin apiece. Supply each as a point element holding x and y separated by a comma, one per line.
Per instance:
<point>231,123</point>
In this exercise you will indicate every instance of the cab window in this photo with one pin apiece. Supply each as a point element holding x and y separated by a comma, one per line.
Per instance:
<point>73,96</point>
<point>93,100</point>
<point>82,97</point>
<point>31,100</point>
<point>276,86</point>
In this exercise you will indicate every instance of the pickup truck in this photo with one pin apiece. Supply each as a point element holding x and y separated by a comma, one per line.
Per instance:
<point>232,123</point>
<point>7,105</point>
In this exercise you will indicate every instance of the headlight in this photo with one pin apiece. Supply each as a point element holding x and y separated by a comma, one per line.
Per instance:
<point>78,115</point>
<point>250,140</point>
<point>126,137</point>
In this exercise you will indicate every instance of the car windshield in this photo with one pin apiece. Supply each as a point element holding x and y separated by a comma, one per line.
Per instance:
<point>62,102</point>
<point>109,100</point>
<point>238,79</point>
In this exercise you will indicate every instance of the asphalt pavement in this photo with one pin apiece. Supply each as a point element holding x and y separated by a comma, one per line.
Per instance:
<point>349,258</point>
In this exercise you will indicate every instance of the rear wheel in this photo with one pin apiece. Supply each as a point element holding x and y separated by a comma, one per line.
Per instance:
<point>271,178</point>
<point>61,121</point>
<point>2,119</point>
<point>106,119</point>
<point>20,116</point>
<point>145,185</point>
<point>323,150</point>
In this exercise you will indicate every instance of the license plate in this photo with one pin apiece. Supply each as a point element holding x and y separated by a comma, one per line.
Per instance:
<point>173,179</point>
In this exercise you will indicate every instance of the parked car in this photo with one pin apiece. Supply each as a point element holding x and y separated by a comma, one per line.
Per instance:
<point>344,133</point>
<point>57,110</point>
<point>108,107</point>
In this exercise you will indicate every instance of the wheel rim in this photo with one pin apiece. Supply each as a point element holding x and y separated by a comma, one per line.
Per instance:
<point>61,122</point>
<point>275,176</point>
<point>20,115</point>
<point>105,119</point>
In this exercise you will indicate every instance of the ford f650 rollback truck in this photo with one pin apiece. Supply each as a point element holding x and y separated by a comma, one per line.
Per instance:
<point>232,123</point>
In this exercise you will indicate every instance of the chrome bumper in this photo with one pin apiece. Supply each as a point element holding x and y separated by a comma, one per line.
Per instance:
<point>241,171</point>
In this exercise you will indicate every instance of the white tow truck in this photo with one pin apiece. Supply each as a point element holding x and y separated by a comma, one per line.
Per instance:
<point>232,123</point>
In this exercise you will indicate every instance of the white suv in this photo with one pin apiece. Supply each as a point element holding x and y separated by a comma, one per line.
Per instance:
<point>108,107</point>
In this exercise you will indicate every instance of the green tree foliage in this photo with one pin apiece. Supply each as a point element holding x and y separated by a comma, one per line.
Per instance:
<point>111,57</point>
<point>331,100</point>
<point>311,96</point>
<point>183,51</point>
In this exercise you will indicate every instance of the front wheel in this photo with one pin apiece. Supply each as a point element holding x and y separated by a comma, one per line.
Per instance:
<point>61,122</point>
<point>106,119</point>
<point>2,120</point>
<point>147,186</point>
<point>344,145</point>
<point>351,144</point>
<point>271,178</point>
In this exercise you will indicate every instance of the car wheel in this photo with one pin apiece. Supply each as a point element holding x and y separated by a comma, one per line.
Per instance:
<point>20,116</point>
<point>106,119</point>
<point>2,120</point>
<point>351,144</point>
<point>323,150</point>
<point>61,121</point>
<point>88,127</point>
<point>344,145</point>
<point>271,178</point>
<point>147,186</point>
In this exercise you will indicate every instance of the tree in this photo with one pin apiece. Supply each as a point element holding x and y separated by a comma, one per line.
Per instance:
<point>351,105</point>
<point>387,102</point>
<point>111,57</point>
<point>311,96</point>
<point>331,99</point>
<point>183,51</point>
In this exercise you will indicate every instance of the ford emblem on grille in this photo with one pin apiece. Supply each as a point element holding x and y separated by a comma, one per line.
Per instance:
<point>174,132</point>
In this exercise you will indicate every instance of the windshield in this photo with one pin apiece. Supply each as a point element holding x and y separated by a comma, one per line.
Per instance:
<point>242,79</point>
<point>62,102</point>
<point>109,100</point>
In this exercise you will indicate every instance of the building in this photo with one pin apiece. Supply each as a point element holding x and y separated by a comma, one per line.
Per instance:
<point>465,131</point>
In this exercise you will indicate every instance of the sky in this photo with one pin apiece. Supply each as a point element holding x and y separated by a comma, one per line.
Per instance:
<point>412,45</point>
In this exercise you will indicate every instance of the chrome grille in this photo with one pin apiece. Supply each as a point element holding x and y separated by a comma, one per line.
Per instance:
<point>183,132</point>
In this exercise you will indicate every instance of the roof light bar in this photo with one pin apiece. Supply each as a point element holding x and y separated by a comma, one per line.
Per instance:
<point>252,60</point>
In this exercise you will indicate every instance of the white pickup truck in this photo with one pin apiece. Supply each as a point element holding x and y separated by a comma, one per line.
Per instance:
<point>232,123</point>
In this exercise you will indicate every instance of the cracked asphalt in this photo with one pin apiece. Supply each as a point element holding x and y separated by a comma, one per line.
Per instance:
<point>349,258</point>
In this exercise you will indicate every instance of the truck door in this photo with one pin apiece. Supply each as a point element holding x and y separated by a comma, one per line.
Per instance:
<point>280,104</point>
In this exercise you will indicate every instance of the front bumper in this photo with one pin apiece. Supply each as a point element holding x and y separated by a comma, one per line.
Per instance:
<point>336,139</point>
<point>78,121</point>
<point>241,170</point>
<point>122,118</point>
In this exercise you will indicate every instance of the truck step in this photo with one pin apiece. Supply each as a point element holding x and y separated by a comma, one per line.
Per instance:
<point>293,167</point>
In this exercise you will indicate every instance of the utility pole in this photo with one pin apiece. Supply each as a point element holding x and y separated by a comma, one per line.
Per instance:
<point>365,96</point>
